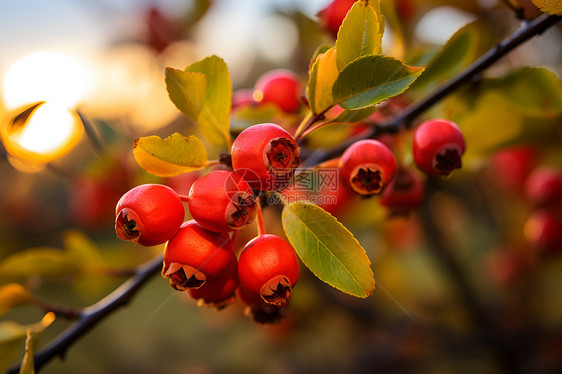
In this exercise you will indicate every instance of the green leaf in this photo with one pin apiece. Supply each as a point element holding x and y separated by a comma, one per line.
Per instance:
<point>203,92</point>
<point>328,249</point>
<point>371,79</point>
<point>42,261</point>
<point>549,6</point>
<point>83,251</point>
<point>171,156</point>
<point>354,115</point>
<point>456,53</point>
<point>360,33</point>
<point>214,116</point>
<point>535,92</point>
<point>13,295</point>
<point>323,74</point>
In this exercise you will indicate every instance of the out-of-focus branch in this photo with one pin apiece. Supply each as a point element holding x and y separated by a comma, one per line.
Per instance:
<point>94,314</point>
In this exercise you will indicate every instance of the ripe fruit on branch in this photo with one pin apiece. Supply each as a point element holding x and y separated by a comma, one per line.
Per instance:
<point>265,155</point>
<point>268,269</point>
<point>543,229</point>
<point>438,146</point>
<point>406,191</point>
<point>195,255</point>
<point>544,186</point>
<point>333,15</point>
<point>281,87</point>
<point>149,214</point>
<point>368,166</point>
<point>220,291</point>
<point>222,201</point>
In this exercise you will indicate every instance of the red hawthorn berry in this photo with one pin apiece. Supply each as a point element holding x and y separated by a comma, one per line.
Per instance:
<point>242,98</point>
<point>368,166</point>
<point>543,186</point>
<point>149,214</point>
<point>222,201</point>
<point>543,229</point>
<point>333,15</point>
<point>438,146</point>
<point>268,268</point>
<point>281,87</point>
<point>406,191</point>
<point>195,255</point>
<point>266,156</point>
<point>220,291</point>
<point>510,167</point>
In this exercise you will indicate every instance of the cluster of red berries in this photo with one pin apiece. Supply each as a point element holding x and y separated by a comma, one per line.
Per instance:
<point>199,253</point>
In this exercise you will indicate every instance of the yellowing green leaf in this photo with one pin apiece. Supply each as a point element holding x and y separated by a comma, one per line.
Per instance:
<point>12,336</point>
<point>328,249</point>
<point>214,116</point>
<point>42,261</point>
<point>369,80</point>
<point>549,6</point>
<point>360,33</point>
<point>82,250</point>
<point>323,74</point>
<point>171,156</point>
<point>13,295</point>
<point>187,91</point>
<point>32,334</point>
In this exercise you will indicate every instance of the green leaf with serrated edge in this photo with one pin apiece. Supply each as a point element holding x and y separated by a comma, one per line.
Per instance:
<point>455,54</point>
<point>360,33</point>
<point>13,295</point>
<point>549,6</point>
<point>187,91</point>
<point>322,76</point>
<point>41,261</point>
<point>369,80</point>
<point>328,249</point>
<point>214,116</point>
<point>170,156</point>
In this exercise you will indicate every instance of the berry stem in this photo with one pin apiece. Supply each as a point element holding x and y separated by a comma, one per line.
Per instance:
<point>259,220</point>
<point>184,198</point>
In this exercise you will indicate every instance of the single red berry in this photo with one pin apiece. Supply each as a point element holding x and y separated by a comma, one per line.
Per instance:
<point>222,201</point>
<point>406,191</point>
<point>281,87</point>
<point>543,186</point>
<point>266,156</point>
<point>333,15</point>
<point>220,291</point>
<point>543,229</point>
<point>368,166</point>
<point>268,268</point>
<point>438,146</point>
<point>149,214</point>
<point>510,167</point>
<point>195,255</point>
<point>243,97</point>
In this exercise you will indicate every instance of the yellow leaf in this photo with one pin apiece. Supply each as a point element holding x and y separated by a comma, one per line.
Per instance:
<point>171,156</point>
<point>13,295</point>
<point>322,77</point>
<point>549,6</point>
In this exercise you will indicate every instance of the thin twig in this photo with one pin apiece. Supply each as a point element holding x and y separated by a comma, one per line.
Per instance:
<point>94,314</point>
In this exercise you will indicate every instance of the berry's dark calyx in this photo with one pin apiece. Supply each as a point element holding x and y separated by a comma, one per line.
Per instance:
<point>183,277</point>
<point>276,291</point>
<point>448,160</point>
<point>282,155</point>
<point>242,212</point>
<point>367,181</point>
<point>126,228</point>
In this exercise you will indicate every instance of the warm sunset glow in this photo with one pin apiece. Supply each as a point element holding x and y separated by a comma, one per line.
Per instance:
<point>46,76</point>
<point>49,132</point>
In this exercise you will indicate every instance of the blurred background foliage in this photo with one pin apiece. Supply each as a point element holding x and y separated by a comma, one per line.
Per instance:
<point>461,286</point>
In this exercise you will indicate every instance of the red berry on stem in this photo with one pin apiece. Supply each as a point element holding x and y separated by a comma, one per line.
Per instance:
<point>438,146</point>
<point>266,156</point>
<point>281,87</point>
<point>544,186</point>
<point>406,191</point>
<point>149,214</point>
<point>333,15</point>
<point>268,268</point>
<point>195,255</point>
<point>220,291</point>
<point>222,201</point>
<point>368,166</point>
